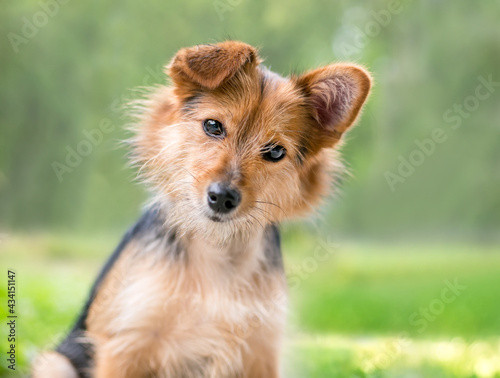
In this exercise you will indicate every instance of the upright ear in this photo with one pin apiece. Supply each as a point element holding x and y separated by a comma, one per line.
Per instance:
<point>336,94</point>
<point>210,65</point>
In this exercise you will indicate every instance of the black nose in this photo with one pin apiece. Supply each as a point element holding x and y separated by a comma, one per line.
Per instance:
<point>222,198</point>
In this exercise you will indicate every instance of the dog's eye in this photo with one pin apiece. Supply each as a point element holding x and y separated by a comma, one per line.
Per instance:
<point>273,153</point>
<point>214,128</point>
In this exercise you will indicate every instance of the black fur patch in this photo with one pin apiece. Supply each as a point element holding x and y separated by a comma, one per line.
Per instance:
<point>263,82</point>
<point>78,351</point>
<point>272,248</point>
<point>301,154</point>
<point>191,103</point>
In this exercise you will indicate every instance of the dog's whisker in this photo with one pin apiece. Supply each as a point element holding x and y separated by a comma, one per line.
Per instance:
<point>266,215</point>
<point>253,217</point>
<point>190,174</point>
<point>272,204</point>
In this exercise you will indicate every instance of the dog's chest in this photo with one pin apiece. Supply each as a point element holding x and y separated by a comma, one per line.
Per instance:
<point>198,312</point>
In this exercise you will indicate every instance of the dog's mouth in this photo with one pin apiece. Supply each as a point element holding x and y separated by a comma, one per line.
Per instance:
<point>216,218</point>
<point>220,218</point>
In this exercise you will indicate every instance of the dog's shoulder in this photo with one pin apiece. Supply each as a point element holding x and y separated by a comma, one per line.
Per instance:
<point>150,227</point>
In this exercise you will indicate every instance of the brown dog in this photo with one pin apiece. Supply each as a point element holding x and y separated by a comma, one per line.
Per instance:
<point>197,287</point>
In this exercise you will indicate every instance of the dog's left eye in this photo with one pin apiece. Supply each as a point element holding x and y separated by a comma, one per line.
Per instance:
<point>214,128</point>
<point>274,153</point>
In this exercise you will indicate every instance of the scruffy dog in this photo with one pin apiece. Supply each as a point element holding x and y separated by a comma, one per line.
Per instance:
<point>196,288</point>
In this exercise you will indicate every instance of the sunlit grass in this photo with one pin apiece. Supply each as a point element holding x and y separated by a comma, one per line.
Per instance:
<point>335,356</point>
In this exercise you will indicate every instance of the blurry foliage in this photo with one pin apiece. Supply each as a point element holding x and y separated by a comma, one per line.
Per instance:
<point>79,68</point>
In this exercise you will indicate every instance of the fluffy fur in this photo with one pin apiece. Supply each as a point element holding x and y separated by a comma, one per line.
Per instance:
<point>193,294</point>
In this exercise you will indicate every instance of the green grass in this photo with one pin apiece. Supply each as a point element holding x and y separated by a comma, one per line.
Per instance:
<point>351,306</point>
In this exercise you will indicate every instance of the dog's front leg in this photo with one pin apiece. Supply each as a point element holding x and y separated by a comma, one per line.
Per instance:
<point>113,365</point>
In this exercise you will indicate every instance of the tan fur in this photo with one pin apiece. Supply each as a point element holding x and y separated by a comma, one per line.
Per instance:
<point>218,309</point>
<point>215,311</point>
<point>53,365</point>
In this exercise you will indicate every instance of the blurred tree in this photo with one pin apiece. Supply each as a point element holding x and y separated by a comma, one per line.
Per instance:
<point>78,60</point>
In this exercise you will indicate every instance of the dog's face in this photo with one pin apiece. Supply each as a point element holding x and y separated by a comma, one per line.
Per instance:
<point>233,146</point>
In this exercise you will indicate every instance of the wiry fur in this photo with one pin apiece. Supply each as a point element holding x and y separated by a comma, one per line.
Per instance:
<point>190,295</point>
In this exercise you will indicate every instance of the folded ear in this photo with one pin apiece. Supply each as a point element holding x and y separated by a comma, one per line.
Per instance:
<point>210,65</point>
<point>336,94</point>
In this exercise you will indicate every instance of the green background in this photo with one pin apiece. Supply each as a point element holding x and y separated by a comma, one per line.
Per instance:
<point>396,244</point>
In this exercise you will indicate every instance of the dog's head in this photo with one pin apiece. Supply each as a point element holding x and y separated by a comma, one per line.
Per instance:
<point>232,146</point>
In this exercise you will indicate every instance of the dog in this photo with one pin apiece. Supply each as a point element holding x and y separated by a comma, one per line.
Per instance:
<point>229,150</point>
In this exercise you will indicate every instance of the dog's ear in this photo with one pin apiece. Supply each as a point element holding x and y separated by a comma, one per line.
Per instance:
<point>210,65</point>
<point>336,94</point>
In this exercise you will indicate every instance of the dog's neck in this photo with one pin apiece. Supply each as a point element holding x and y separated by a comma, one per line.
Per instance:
<point>236,253</point>
<point>219,244</point>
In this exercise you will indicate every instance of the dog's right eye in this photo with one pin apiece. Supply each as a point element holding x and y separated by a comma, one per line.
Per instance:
<point>214,128</point>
